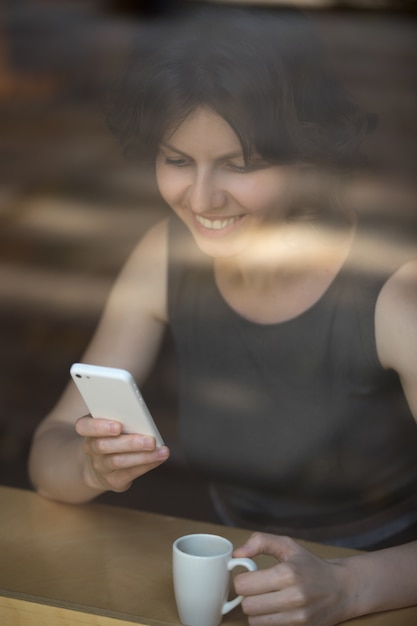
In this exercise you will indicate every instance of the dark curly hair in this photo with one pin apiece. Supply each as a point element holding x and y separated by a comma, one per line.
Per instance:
<point>262,70</point>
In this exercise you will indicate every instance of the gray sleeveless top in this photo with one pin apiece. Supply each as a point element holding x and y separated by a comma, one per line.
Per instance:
<point>296,424</point>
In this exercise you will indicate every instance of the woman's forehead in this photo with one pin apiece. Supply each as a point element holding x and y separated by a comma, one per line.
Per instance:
<point>204,126</point>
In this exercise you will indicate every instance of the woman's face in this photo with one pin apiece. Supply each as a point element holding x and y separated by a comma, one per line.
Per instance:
<point>202,176</point>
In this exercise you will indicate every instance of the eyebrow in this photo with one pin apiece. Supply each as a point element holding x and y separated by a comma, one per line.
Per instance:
<point>229,155</point>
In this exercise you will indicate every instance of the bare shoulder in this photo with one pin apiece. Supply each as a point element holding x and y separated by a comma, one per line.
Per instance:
<point>396,325</point>
<point>152,247</point>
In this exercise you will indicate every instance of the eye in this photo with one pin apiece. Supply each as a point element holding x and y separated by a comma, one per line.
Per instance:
<point>253,166</point>
<point>240,169</point>
<point>176,161</point>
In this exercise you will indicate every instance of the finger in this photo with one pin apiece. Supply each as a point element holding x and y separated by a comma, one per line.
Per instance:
<point>102,473</point>
<point>121,461</point>
<point>293,618</point>
<point>89,427</point>
<point>287,600</point>
<point>121,480</point>
<point>278,546</point>
<point>265,581</point>
<point>120,444</point>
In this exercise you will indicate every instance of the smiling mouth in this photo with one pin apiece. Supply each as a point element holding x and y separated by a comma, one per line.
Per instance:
<point>217,224</point>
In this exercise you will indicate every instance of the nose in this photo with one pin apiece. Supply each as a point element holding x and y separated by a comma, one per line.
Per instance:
<point>204,194</point>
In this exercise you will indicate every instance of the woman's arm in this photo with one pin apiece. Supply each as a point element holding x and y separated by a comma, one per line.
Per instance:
<point>396,329</point>
<point>306,589</point>
<point>73,459</point>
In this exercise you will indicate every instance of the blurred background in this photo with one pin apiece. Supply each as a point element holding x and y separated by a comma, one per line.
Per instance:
<point>72,208</point>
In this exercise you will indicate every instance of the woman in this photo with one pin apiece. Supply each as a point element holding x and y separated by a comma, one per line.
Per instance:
<point>298,392</point>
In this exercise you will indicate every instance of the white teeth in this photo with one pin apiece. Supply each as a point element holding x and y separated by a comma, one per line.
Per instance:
<point>215,224</point>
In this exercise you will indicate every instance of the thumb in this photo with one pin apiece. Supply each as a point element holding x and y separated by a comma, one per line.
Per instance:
<point>282,548</point>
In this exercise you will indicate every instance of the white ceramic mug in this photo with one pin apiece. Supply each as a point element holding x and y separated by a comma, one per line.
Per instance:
<point>201,567</point>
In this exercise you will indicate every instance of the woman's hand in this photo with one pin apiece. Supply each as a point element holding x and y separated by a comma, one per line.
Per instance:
<point>114,459</point>
<point>300,589</point>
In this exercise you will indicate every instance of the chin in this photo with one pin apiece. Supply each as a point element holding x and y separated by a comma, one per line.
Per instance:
<point>219,245</point>
<point>217,249</point>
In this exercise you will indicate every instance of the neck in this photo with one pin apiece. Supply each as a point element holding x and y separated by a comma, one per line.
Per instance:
<point>280,280</point>
<point>287,254</point>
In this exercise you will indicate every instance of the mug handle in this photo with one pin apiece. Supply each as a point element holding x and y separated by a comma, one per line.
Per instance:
<point>251,567</point>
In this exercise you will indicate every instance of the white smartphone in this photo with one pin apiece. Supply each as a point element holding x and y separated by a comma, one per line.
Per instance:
<point>111,393</point>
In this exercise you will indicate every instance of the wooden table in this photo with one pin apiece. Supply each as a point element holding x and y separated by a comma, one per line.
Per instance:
<point>63,565</point>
